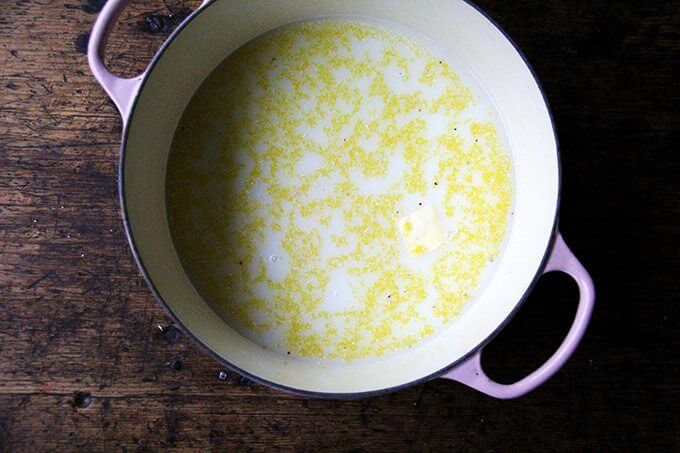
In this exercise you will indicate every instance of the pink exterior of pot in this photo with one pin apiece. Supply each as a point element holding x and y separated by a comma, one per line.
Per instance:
<point>124,90</point>
<point>470,372</point>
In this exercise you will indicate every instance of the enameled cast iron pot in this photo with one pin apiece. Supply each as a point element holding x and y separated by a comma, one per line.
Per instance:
<point>152,104</point>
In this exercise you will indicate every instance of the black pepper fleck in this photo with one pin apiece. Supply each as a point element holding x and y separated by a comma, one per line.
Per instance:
<point>175,365</point>
<point>81,42</point>
<point>82,399</point>
<point>156,23</point>
<point>171,335</point>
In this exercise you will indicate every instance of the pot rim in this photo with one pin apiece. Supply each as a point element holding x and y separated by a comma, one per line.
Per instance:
<point>329,395</point>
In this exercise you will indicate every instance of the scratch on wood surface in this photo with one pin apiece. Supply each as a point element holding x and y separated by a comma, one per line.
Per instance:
<point>40,279</point>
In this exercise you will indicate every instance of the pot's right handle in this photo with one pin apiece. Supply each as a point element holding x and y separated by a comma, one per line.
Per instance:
<point>470,372</point>
<point>122,91</point>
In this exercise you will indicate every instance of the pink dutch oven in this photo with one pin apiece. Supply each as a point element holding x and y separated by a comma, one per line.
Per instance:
<point>152,103</point>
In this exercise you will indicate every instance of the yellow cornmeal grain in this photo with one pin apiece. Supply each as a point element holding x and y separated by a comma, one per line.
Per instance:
<point>234,184</point>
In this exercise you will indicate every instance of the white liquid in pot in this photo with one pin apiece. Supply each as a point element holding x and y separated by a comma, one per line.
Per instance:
<point>293,174</point>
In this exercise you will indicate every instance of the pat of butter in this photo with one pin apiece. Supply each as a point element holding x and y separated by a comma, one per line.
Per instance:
<point>422,231</point>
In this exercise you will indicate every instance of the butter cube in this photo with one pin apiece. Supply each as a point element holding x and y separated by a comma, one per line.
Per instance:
<point>422,231</point>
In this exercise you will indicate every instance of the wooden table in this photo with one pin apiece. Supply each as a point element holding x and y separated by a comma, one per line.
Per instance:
<point>83,364</point>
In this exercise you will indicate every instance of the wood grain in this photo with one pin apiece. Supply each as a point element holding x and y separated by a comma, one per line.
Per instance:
<point>83,364</point>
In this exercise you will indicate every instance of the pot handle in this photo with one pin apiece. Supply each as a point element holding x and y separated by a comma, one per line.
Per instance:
<point>121,90</point>
<point>470,371</point>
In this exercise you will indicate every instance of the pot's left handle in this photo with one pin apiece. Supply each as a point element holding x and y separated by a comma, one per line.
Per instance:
<point>122,91</point>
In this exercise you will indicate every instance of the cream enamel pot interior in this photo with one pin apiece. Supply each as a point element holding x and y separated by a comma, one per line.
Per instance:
<point>152,104</point>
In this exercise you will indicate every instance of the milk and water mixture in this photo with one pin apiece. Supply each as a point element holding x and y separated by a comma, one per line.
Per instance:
<point>336,190</point>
